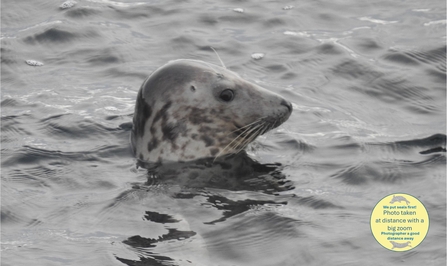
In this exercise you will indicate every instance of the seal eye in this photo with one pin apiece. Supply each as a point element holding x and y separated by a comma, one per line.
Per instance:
<point>227,95</point>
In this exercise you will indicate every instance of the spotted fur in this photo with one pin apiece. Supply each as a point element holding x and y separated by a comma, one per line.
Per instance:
<point>180,116</point>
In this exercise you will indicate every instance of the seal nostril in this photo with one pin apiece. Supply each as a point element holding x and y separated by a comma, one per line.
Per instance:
<point>287,104</point>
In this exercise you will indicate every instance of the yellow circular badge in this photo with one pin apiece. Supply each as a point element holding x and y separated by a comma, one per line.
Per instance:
<point>399,222</point>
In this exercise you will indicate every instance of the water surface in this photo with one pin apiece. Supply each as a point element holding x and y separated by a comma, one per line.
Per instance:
<point>367,82</point>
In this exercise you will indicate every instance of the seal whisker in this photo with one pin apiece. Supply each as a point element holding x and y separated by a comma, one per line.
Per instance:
<point>267,127</point>
<point>226,147</point>
<point>223,65</point>
<point>250,136</point>
<point>248,125</point>
<point>259,132</point>
<point>254,135</point>
<point>213,67</point>
<point>245,133</point>
<point>246,139</point>
<point>237,144</point>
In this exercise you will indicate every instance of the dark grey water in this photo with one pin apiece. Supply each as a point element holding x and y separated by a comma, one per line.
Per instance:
<point>368,84</point>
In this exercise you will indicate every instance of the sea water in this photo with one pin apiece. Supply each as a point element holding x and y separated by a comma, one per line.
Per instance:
<point>368,85</point>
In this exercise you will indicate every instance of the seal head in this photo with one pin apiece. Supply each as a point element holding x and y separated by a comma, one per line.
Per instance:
<point>190,109</point>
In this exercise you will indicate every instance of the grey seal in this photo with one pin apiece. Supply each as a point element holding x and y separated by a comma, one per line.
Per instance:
<point>190,109</point>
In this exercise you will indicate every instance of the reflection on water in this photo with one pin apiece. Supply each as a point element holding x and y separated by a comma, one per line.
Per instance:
<point>236,172</point>
<point>367,82</point>
<point>260,192</point>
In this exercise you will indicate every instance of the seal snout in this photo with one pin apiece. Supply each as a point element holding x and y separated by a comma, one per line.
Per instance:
<point>287,104</point>
<point>284,114</point>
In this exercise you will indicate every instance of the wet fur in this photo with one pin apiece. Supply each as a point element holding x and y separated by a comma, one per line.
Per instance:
<point>180,117</point>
